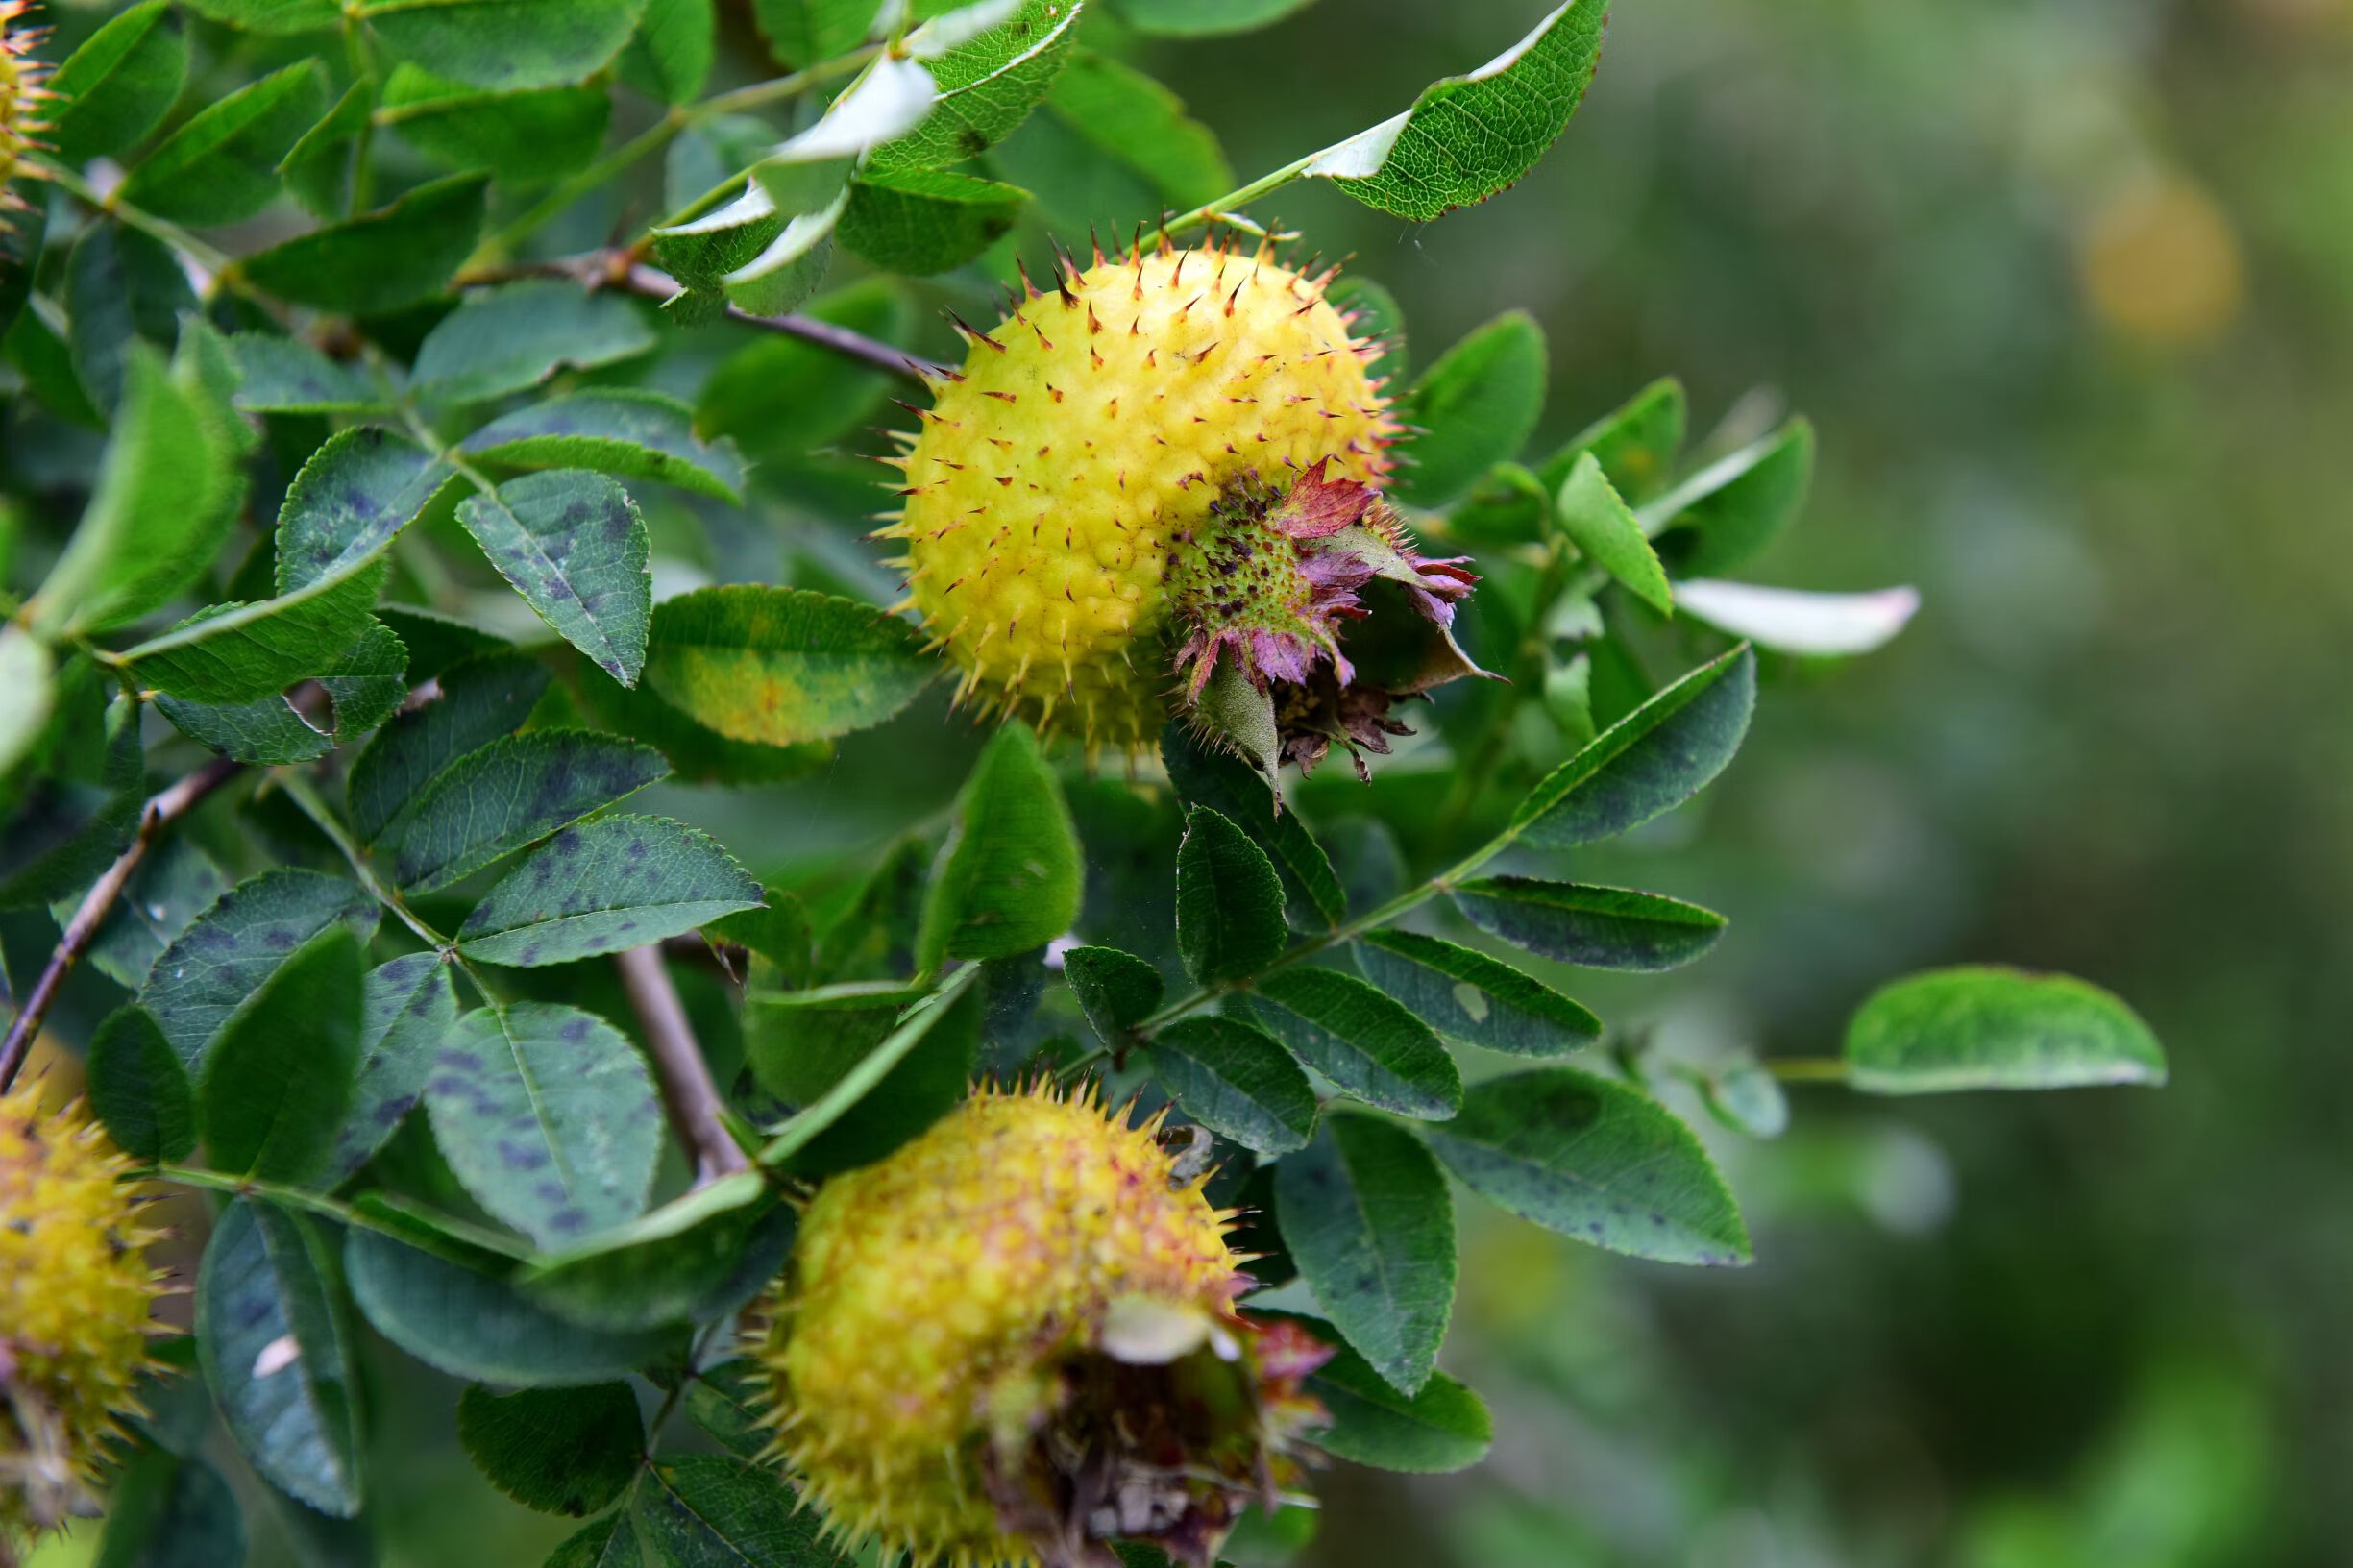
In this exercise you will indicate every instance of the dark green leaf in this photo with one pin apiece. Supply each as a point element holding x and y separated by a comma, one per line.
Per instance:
<point>233,948</point>
<point>986,87</point>
<point>472,1325</point>
<point>779,398</point>
<point>598,888</point>
<point>1233,1079</point>
<point>277,1353</point>
<point>1474,409</point>
<point>680,1262</point>
<point>278,1079</point>
<point>24,231</point>
<point>286,376</point>
<point>390,257</point>
<point>1601,928</point>
<point>1445,1427</point>
<point>514,336</point>
<point>522,136</point>
<point>609,1542</point>
<point>318,170</point>
<point>781,933</point>
<point>1731,510</point>
<point>407,1008</point>
<point>1226,784</point>
<point>1467,995</point>
<point>621,431</point>
<point>1980,1026</point>
<point>222,165</point>
<point>505,44</point>
<point>1593,1159</point>
<point>518,789</point>
<point>1116,990</point>
<point>803,1047</point>
<point>923,220</point>
<point>1648,762</point>
<point>1008,879</point>
<point>574,547</point>
<point>1369,1222</point>
<point>175,882</point>
<point>478,700</point>
<point>118,85</point>
<point>696,754</point>
<point>167,1511</point>
<point>268,16</point>
<point>778,666</point>
<point>548,1116</point>
<point>1634,444</point>
<point>1362,1040</point>
<point>139,1088</point>
<point>122,286</point>
<point>351,500</point>
<point>848,1078</point>
<point>1203,18</point>
<point>363,685</point>
<point>234,653</point>
<point>1607,531</point>
<point>804,32</point>
<point>1469,136</point>
<point>707,1511</point>
<point>569,1451</point>
<point>1229,900</point>
<point>729,1403</point>
<point>670,57</point>
<point>1115,112</point>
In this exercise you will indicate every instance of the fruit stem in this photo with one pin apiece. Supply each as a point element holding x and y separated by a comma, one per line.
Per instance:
<point>688,1094</point>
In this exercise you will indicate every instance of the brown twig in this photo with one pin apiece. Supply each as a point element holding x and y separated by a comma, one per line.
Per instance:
<point>688,1094</point>
<point>161,809</point>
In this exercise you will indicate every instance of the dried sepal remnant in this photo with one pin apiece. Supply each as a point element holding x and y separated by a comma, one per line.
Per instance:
<point>1014,1341</point>
<point>75,1293</point>
<point>1163,461</point>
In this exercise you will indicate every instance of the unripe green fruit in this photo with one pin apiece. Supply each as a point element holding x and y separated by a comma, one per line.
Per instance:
<point>1062,473</point>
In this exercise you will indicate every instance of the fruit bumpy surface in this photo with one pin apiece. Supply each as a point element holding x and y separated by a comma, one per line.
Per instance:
<point>1083,445</point>
<point>942,1322</point>
<point>21,93</point>
<point>75,1290</point>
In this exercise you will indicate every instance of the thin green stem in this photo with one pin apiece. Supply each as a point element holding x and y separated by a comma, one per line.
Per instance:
<point>1807,1070</point>
<point>364,145</point>
<point>287,1197</point>
<point>761,93</point>
<point>147,223</point>
<point>1237,199</point>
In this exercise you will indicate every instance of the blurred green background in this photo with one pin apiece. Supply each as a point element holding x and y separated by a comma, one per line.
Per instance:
<point>2068,292</point>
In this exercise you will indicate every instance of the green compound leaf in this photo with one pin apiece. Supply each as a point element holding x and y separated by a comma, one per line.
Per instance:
<point>1470,996</point>
<point>279,1077</point>
<point>1229,901</point>
<point>778,666</point>
<point>407,1006</point>
<point>1732,509</point>
<point>624,431</point>
<point>471,1324</point>
<point>573,545</point>
<point>548,1116</point>
<point>1987,1027</point>
<point>523,137</point>
<point>278,1355</point>
<point>1011,875</point>
<point>694,1257</point>
<point>476,701</point>
<point>804,32</point>
<point>1115,112</point>
<point>1236,1080</point>
<point>513,337</point>
<point>222,165</point>
<point>1609,534</point>
<point>609,1542</point>
<point>1229,786</point>
<point>511,793</point>
<point>1474,409</point>
<point>1368,1217</point>
<point>318,170</point>
<point>363,685</point>
<point>804,1047</point>
<point>1635,443</point>
<point>986,86</point>
<point>168,1510</point>
<point>598,888</point>
<point>729,1402</point>
<point>118,85</point>
<point>283,375</point>
<point>569,1451</point>
<point>1596,1160</point>
<point>1469,136</point>
<point>1361,1040</point>
<point>270,16</point>
<point>709,1510</point>
<point>669,60</point>
<point>508,45</point>
<point>1601,928</point>
<point>122,288</point>
<point>231,950</point>
<point>921,221</point>
<point>1203,18</point>
<point>139,1087</point>
<point>864,1072</point>
<point>1116,990</point>
<point>1648,762</point>
<point>1443,1428</point>
<point>391,258</point>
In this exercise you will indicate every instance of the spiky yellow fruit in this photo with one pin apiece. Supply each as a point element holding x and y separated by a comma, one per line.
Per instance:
<point>1081,448</point>
<point>22,90</point>
<point>75,1292</point>
<point>1014,1339</point>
